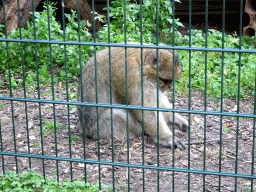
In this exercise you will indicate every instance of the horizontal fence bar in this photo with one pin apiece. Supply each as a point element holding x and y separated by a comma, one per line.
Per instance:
<point>161,168</point>
<point>129,45</point>
<point>130,107</point>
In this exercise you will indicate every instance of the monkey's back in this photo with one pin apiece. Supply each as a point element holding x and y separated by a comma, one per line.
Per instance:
<point>96,86</point>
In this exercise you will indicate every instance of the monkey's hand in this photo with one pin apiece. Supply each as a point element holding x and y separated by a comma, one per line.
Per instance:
<point>180,121</point>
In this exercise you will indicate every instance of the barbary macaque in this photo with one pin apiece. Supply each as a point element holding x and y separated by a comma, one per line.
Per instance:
<point>88,115</point>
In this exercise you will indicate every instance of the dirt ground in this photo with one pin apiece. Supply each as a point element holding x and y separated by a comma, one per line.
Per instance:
<point>123,175</point>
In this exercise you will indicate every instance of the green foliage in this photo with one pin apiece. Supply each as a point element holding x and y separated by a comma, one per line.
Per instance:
<point>41,52</point>
<point>149,24</point>
<point>9,77</point>
<point>214,65</point>
<point>31,181</point>
<point>45,53</point>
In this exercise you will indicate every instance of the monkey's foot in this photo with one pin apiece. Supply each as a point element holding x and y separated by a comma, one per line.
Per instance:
<point>184,128</point>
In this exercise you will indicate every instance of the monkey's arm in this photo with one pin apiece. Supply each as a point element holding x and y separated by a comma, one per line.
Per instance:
<point>150,120</point>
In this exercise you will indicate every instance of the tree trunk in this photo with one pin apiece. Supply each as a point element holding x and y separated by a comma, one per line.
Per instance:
<point>85,12</point>
<point>12,14</point>
<point>25,7</point>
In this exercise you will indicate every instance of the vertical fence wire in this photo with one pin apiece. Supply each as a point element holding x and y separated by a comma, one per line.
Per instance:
<point>222,87</point>
<point>111,100</point>
<point>96,92</point>
<point>205,88</point>
<point>10,87</point>
<point>157,96</point>
<point>38,86</point>
<point>53,92</point>
<point>173,96</point>
<point>238,93</point>
<point>24,83</point>
<point>128,165</point>
<point>67,87</point>
<point>142,98</point>
<point>5,32</point>
<point>2,149</point>
<point>81,90</point>
<point>189,90</point>
<point>126,94</point>
<point>253,136</point>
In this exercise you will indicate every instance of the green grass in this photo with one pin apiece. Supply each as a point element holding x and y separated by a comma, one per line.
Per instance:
<point>71,107</point>
<point>227,130</point>
<point>50,125</point>
<point>1,106</point>
<point>74,138</point>
<point>47,93</point>
<point>36,144</point>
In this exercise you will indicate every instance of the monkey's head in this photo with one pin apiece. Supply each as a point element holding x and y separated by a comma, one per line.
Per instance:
<point>165,62</point>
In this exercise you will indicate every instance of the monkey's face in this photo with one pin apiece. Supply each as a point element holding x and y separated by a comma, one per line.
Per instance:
<point>169,68</point>
<point>165,84</point>
<point>168,71</point>
<point>167,65</point>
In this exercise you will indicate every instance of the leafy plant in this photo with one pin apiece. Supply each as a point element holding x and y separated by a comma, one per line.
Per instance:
<point>46,56</point>
<point>32,181</point>
<point>213,65</point>
<point>149,24</point>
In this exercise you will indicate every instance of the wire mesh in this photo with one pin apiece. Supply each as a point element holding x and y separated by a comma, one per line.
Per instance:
<point>81,157</point>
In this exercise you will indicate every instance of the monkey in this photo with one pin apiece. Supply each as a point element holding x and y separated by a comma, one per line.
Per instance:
<point>126,89</point>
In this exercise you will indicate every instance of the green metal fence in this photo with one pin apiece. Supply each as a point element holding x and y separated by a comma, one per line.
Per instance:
<point>214,165</point>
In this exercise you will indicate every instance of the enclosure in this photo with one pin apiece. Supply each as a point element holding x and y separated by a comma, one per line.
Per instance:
<point>40,71</point>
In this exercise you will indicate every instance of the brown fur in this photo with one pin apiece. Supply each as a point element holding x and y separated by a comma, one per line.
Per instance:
<point>88,115</point>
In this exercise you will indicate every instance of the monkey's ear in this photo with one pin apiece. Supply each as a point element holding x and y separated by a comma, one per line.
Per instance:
<point>176,58</point>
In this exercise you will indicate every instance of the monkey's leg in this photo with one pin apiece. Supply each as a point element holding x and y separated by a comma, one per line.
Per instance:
<point>119,119</point>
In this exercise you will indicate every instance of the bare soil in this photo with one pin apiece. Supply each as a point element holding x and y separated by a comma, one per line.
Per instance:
<point>200,125</point>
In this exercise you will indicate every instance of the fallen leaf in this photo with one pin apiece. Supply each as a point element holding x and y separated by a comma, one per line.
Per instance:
<point>228,125</point>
